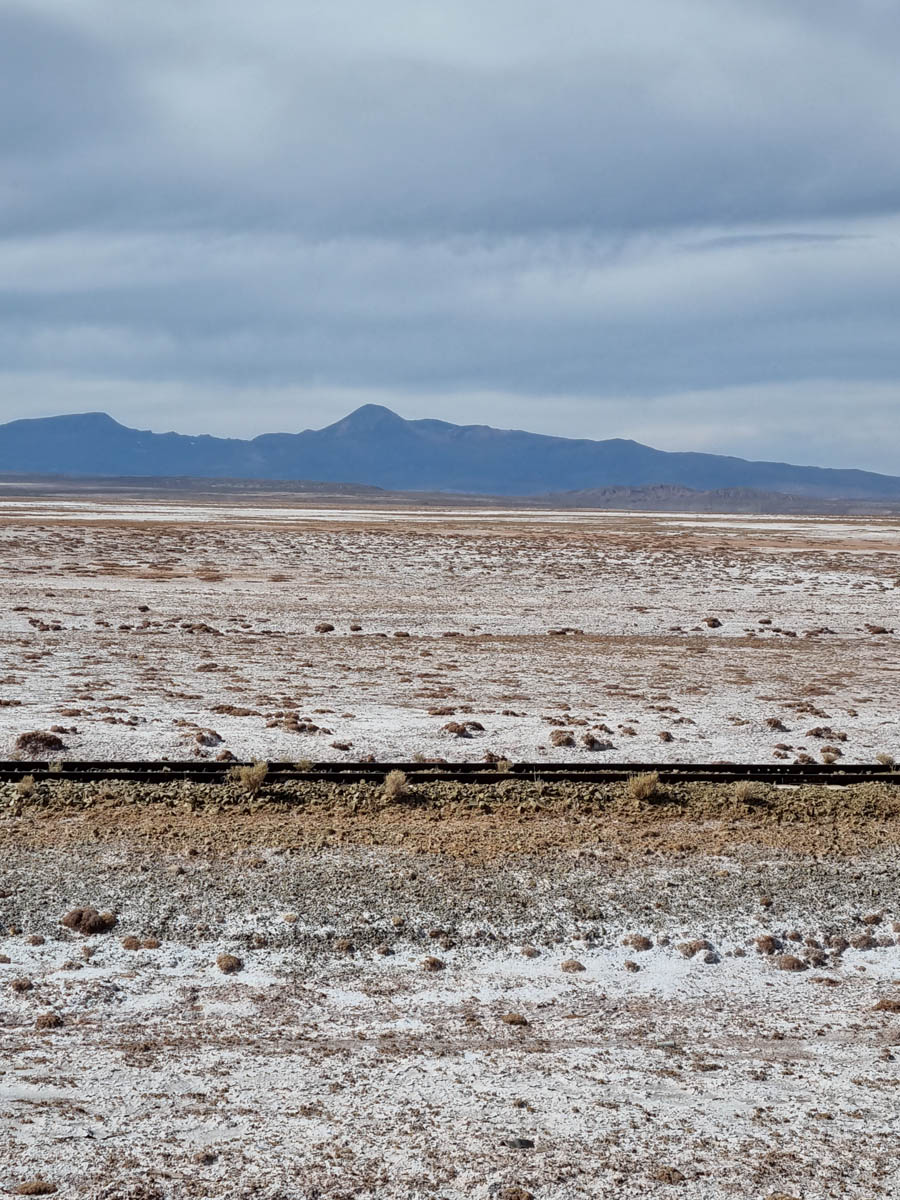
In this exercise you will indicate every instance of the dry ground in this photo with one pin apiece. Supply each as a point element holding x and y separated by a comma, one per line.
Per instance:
<point>152,629</point>
<point>682,1060</point>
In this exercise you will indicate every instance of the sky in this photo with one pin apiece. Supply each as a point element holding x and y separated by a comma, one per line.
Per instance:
<point>671,220</point>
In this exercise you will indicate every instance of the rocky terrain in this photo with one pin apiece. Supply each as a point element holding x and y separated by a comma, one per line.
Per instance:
<point>493,992</point>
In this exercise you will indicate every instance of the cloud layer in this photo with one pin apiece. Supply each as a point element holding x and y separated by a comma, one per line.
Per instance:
<point>674,222</point>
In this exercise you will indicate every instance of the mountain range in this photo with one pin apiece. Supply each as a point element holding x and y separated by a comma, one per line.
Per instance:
<point>375,446</point>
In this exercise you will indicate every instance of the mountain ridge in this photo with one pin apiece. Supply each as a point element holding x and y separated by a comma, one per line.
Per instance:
<point>375,446</point>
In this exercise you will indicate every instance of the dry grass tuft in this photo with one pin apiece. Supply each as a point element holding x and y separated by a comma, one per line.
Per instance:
<point>748,791</point>
<point>131,943</point>
<point>228,964</point>
<point>888,1004</point>
<point>396,785</point>
<point>21,985</point>
<point>886,760</point>
<point>36,1187</point>
<point>249,778</point>
<point>25,787</point>
<point>514,1019</point>
<point>431,963</point>
<point>572,966</point>
<point>643,786</point>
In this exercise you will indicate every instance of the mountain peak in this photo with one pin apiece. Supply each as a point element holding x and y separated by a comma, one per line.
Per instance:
<point>366,419</point>
<point>86,420</point>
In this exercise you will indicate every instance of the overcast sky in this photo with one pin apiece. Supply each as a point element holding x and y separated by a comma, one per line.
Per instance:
<point>672,220</point>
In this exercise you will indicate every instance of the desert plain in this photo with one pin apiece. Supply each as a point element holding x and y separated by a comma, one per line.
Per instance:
<point>498,991</point>
<point>149,630</point>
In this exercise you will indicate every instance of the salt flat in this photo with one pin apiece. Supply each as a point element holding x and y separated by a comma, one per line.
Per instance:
<point>161,629</point>
<point>508,991</point>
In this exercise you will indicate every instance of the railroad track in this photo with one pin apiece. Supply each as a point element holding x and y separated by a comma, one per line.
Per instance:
<point>790,774</point>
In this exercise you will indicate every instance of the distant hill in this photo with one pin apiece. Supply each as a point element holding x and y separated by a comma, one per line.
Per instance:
<point>376,447</point>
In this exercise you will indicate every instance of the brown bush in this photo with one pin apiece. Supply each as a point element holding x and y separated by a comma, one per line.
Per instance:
<point>888,1004</point>
<point>431,963</point>
<point>790,962</point>
<point>88,921</point>
<point>863,941</point>
<point>48,1020</point>
<point>571,966</point>
<point>767,944</point>
<point>638,941</point>
<point>21,985</point>
<point>131,943</point>
<point>36,1187</point>
<point>37,742</point>
<point>559,737</point>
<point>514,1019</point>
<point>667,1175</point>
<point>592,742</point>
<point>689,949</point>
<point>228,964</point>
<point>150,943</point>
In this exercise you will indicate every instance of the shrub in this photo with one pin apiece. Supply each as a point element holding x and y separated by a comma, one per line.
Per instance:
<point>643,786</point>
<point>38,741</point>
<point>228,964</point>
<point>25,786</point>
<point>396,785</point>
<point>88,921</point>
<point>249,778</point>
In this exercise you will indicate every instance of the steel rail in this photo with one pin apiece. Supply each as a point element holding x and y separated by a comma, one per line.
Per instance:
<point>163,771</point>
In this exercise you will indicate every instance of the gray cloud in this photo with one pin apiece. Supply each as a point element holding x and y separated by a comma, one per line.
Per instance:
<point>234,217</point>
